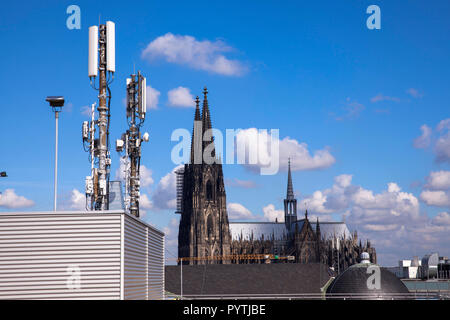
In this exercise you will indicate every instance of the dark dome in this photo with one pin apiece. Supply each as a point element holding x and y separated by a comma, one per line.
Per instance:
<point>354,283</point>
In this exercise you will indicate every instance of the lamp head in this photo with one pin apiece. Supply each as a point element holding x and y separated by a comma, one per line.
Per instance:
<point>55,101</point>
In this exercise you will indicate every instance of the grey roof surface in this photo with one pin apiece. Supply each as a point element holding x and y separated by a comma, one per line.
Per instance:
<point>227,279</point>
<point>245,230</point>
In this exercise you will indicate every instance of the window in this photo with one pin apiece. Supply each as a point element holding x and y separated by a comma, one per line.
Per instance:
<point>210,226</point>
<point>209,190</point>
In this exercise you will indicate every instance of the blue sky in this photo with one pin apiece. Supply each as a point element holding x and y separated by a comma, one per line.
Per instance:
<point>313,70</point>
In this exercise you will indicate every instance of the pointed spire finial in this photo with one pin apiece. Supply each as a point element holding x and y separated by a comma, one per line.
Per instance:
<point>197,117</point>
<point>206,121</point>
<point>290,188</point>
<point>306,214</point>
<point>197,109</point>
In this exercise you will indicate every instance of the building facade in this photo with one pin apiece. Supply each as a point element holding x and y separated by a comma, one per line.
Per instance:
<point>206,236</point>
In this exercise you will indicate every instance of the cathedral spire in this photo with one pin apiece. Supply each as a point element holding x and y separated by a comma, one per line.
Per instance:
<point>197,117</point>
<point>290,188</point>
<point>318,228</point>
<point>197,109</point>
<point>206,117</point>
<point>290,203</point>
<point>206,120</point>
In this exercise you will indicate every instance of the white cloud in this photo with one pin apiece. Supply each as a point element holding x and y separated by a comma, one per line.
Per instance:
<point>438,180</point>
<point>391,219</point>
<point>201,55</point>
<point>363,206</point>
<point>442,218</point>
<point>414,93</point>
<point>152,98</point>
<point>343,180</point>
<point>9,199</point>
<point>270,213</point>
<point>246,184</point>
<point>145,176</point>
<point>441,142</point>
<point>442,148</point>
<point>316,203</point>
<point>164,196</point>
<point>77,200</point>
<point>443,125</point>
<point>181,97</point>
<point>437,198</point>
<point>352,110</point>
<point>425,139</point>
<point>259,143</point>
<point>121,170</point>
<point>86,111</point>
<point>171,241</point>
<point>145,202</point>
<point>381,227</point>
<point>68,107</point>
<point>237,211</point>
<point>381,97</point>
<point>437,189</point>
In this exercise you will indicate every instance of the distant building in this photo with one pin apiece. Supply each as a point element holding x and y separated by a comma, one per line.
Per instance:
<point>205,231</point>
<point>407,269</point>
<point>431,266</point>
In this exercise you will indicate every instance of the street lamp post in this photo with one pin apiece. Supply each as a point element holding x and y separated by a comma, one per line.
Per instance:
<point>3,175</point>
<point>56,102</point>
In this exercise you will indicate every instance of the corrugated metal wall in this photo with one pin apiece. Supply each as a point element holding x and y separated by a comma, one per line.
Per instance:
<point>78,255</point>
<point>135,263</point>
<point>144,261</point>
<point>43,255</point>
<point>156,286</point>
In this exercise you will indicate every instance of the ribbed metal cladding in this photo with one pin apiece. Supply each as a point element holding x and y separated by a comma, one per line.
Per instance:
<point>155,264</point>
<point>135,263</point>
<point>144,261</point>
<point>79,255</point>
<point>42,255</point>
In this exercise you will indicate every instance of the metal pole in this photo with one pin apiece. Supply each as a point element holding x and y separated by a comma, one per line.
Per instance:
<point>102,200</point>
<point>56,159</point>
<point>134,150</point>
<point>181,285</point>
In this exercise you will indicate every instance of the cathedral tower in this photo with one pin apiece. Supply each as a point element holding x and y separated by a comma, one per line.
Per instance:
<point>290,203</point>
<point>204,228</point>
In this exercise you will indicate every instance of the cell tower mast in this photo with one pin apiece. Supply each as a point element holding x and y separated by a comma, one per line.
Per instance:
<point>131,140</point>
<point>101,63</point>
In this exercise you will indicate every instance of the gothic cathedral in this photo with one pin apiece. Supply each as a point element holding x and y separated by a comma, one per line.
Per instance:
<point>204,227</point>
<point>206,236</point>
